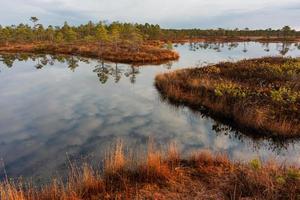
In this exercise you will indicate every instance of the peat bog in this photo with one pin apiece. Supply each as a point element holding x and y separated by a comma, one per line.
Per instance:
<point>100,101</point>
<point>259,94</point>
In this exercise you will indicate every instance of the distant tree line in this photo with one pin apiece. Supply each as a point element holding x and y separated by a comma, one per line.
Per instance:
<point>285,32</point>
<point>116,32</point>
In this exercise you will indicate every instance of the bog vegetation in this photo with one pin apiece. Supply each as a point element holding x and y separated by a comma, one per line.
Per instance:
<point>165,175</point>
<point>259,94</point>
<point>121,42</point>
<point>133,33</point>
<point>118,42</point>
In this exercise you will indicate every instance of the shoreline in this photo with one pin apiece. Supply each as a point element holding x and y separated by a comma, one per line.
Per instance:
<point>265,110</point>
<point>150,52</point>
<point>123,53</point>
<point>165,174</point>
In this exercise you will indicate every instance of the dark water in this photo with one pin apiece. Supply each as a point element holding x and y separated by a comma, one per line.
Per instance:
<point>52,108</point>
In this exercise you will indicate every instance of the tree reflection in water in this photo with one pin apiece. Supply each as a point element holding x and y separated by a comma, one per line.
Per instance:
<point>266,47</point>
<point>131,73</point>
<point>245,50</point>
<point>104,70</point>
<point>41,60</point>
<point>8,60</point>
<point>283,47</point>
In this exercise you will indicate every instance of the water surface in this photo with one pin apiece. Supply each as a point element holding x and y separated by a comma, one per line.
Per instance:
<point>54,108</point>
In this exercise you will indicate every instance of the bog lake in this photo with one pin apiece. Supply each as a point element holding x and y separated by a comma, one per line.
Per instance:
<point>54,109</point>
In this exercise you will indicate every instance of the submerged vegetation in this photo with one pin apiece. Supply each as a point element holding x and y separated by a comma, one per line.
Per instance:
<point>258,94</point>
<point>165,175</point>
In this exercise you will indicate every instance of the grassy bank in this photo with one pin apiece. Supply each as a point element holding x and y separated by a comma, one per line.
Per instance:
<point>257,94</point>
<point>165,175</point>
<point>122,52</point>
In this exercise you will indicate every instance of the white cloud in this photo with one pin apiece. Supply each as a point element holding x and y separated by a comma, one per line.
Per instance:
<point>168,13</point>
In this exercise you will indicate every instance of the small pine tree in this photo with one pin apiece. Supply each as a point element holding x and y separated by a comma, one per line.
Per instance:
<point>70,35</point>
<point>102,34</point>
<point>59,37</point>
<point>115,35</point>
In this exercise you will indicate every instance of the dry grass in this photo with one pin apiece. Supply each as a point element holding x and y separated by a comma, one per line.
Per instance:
<point>115,159</point>
<point>202,176</point>
<point>124,53</point>
<point>258,94</point>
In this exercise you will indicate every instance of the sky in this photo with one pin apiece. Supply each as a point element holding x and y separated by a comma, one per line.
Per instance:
<point>254,14</point>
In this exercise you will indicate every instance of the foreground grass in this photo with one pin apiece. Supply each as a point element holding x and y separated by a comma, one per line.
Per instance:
<point>123,52</point>
<point>166,175</point>
<point>258,94</point>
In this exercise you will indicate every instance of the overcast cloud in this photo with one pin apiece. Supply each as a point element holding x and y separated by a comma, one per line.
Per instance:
<point>167,13</point>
